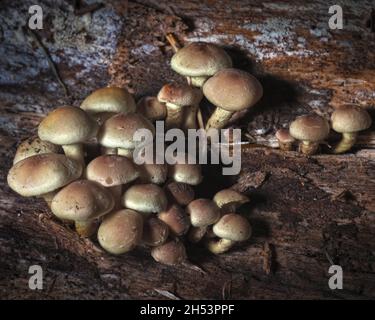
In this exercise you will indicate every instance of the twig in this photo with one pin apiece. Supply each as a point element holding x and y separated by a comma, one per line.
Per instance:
<point>49,59</point>
<point>167,294</point>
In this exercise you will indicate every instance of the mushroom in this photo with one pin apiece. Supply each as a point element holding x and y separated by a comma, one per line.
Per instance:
<point>109,99</point>
<point>82,201</point>
<point>311,130</point>
<point>177,97</point>
<point>118,131</point>
<point>152,108</point>
<point>230,90</point>
<point>349,120</point>
<point>170,253</point>
<point>229,200</point>
<point>145,198</point>
<point>43,174</point>
<point>69,127</point>
<point>285,139</point>
<point>231,228</point>
<point>199,61</point>
<point>203,213</point>
<point>185,172</point>
<point>176,218</point>
<point>112,171</point>
<point>32,147</point>
<point>121,231</point>
<point>153,173</point>
<point>179,193</point>
<point>155,232</point>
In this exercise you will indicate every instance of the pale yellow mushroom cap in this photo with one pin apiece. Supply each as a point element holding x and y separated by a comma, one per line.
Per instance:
<point>312,128</point>
<point>350,119</point>
<point>233,227</point>
<point>229,198</point>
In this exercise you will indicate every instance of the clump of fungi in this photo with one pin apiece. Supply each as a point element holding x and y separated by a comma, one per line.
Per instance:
<point>125,205</point>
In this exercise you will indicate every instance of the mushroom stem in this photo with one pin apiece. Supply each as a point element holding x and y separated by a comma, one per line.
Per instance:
<point>128,153</point>
<point>347,141</point>
<point>75,152</point>
<point>190,117</point>
<point>106,150</point>
<point>85,228</point>
<point>196,234</point>
<point>117,193</point>
<point>48,197</point>
<point>218,246</point>
<point>219,119</point>
<point>308,148</point>
<point>198,81</point>
<point>175,116</point>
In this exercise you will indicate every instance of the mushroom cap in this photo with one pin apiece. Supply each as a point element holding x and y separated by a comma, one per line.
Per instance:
<point>121,231</point>
<point>310,127</point>
<point>152,108</point>
<point>43,173</point>
<point>180,193</point>
<point>118,131</point>
<point>186,173</point>
<point>233,90</point>
<point>32,147</point>
<point>145,198</point>
<point>284,136</point>
<point>82,200</point>
<point>180,94</point>
<point>200,59</point>
<point>170,253</point>
<point>111,170</point>
<point>350,119</point>
<point>110,99</point>
<point>176,218</point>
<point>230,198</point>
<point>233,227</point>
<point>203,212</point>
<point>155,232</point>
<point>153,173</point>
<point>67,125</point>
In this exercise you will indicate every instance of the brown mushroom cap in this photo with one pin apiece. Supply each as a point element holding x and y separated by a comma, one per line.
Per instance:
<point>121,231</point>
<point>111,170</point>
<point>42,173</point>
<point>284,136</point>
<point>67,125</point>
<point>110,99</point>
<point>200,59</point>
<point>82,200</point>
<point>186,173</point>
<point>170,253</point>
<point>312,128</point>
<point>233,227</point>
<point>180,95</point>
<point>180,193</point>
<point>145,198</point>
<point>229,198</point>
<point>118,131</point>
<point>350,119</point>
<point>203,212</point>
<point>155,232</point>
<point>152,108</point>
<point>153,173</point>
<point>233,90</point>
<point>176,218</point>
<point>34,146</point>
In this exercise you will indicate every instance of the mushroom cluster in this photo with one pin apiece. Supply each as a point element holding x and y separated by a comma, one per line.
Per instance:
<point>123,204</point>
<point>311,130</point>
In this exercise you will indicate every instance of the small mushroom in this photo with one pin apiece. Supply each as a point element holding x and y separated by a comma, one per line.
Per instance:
<point>43,174</point>
<point>177,97</point>
<point>155,232</point>
<point>152,108</point>
<point>179,193</point>
<point>185,172</point>
<point>349,120</point>
<point>153,173</point>
<point>285,139</point>
<point>311,130</point>
<point>203,213</point>
<point>69,127</point>
<point>231,228</point>
<point>176,218</point>
<point>32,147</point>
<point>230,90</point>
<point>82,201</point>
<point>145,198</point>
<point>109,99</point>
<point>229,200</point>
<point>199,61</point>
<point>170,253</point>
<point>118,131</point>
<point>121,231</point>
